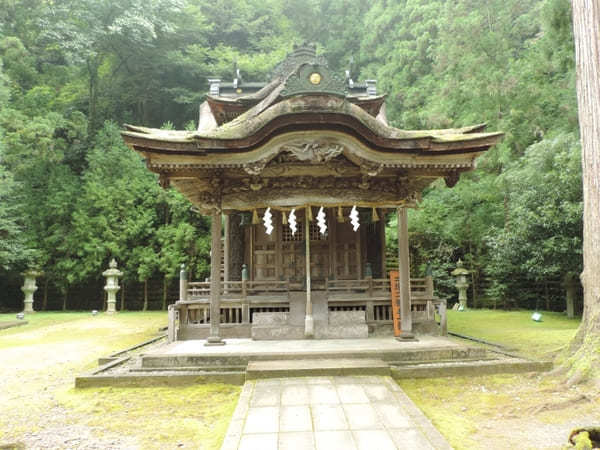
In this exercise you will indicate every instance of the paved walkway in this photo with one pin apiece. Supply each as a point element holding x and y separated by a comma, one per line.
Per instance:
<point>329,413</point>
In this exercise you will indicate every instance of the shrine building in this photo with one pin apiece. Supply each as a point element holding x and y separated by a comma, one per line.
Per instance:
<point>301,172</point>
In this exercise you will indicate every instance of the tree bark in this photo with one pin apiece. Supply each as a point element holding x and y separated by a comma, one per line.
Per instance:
<point>145,307</point>
<point>123,296</point>
<point>164,297</point>
<point>45,298</point>
<point>586,29</point>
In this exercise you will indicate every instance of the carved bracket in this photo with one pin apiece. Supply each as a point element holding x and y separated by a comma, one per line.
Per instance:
<point>452,179</point>
<point>163,181</point>
<point>316,151</point>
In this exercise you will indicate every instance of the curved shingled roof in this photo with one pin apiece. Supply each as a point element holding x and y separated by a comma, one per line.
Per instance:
<point>305,95</point>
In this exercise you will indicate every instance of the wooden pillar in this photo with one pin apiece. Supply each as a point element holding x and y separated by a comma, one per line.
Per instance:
<point>215,280</point>
<point>404,273</point>
<point>226,249</point>
<point>443,319</point>
<point>309,325</point>
<point>183,284</point>
<point>381,225</point>
<point>332,242</point>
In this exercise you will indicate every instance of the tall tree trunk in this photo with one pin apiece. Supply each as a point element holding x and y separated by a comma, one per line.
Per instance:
<point>123,296</point>
<point>65,298</point>
<point>586,29</point>
<point>92,66</point>
<point>45,298</point>
<point>165,286</point>
<point>145,307</point>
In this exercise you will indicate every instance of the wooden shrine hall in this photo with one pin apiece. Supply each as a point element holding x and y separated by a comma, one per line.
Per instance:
<point>303,172</point>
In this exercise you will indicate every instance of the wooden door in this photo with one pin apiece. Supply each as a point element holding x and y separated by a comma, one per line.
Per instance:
<point>264,264</point>
<point>347,252</point>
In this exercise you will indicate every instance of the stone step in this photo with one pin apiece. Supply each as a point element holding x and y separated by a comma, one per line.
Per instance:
<point>396,357</point>
<point>212,368</point>
<point>315,367</point>
<point>140,379</point>
<point>468,368</point>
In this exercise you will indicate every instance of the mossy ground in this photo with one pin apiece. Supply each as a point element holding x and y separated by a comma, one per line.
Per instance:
<point>40,407</point>
<point>516,330</point>
<point>525,411</point>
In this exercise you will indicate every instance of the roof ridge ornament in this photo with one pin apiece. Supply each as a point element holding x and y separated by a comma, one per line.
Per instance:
<point>311,78</point>
<point>305,53</point>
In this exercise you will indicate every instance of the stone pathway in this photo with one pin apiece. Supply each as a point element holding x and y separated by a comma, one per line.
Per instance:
<point>329,413</point>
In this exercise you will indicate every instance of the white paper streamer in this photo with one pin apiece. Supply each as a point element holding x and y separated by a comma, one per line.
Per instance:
<point>321,221</point>
<point>354,218</point>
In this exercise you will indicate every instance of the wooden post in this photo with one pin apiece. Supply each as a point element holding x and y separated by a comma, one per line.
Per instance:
<point>245,302</point>
<point>429,282</point>
<point>172,323</point>
<point>215,280</point>
<point>309,325</point>
<point>443,319</point>
<point>369,310</point>
<point>183,284</point>
<point>381,225</point>
<point>226,251</point>
<point>404,274</point>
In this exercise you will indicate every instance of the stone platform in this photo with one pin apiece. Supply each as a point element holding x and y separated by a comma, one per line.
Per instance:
<point>240,351</point>
<point>191,362</point>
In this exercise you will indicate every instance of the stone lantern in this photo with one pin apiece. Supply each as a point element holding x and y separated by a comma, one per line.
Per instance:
<point>28,288</point>
<point>112,285</point>
<point>461,284</point>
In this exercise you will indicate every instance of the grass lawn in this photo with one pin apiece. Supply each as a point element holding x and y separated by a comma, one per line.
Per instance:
<point>525,411</point>
<point>40,408</point>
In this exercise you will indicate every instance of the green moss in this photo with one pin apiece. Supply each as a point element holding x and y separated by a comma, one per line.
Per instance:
<point>163,417</point>
<point>516,330</point>
<point>41,359</point>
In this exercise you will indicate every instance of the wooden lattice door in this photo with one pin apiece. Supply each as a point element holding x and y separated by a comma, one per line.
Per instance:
<point>347,252</point>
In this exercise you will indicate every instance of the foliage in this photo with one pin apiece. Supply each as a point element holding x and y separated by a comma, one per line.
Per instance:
<point>73,195</point>
<point>543,239</point>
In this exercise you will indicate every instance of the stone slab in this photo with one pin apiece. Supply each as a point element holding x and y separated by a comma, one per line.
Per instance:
<point>348,331</point>
<point>159,379</point>
<point>346,317</point>
<point>276,332</point>
<point>270,318</point>
<point>462,368</point>
<point>315,367</point>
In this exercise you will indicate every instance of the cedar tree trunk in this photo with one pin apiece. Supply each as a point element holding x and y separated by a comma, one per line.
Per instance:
<point>586,29</point>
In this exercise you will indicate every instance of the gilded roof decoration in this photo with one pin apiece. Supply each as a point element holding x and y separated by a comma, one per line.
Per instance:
<point>314,78</point>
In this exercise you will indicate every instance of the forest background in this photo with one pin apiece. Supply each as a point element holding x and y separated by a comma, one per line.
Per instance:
<point>72,196</point>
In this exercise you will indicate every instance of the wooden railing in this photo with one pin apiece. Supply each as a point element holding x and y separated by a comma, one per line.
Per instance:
<point>239,301</point>
<point>373,296</point>
<point>239,289</point>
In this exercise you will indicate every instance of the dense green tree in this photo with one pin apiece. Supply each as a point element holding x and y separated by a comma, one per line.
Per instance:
<point>69,66</point>
<point>544,236</point>
<point>104,36</point>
